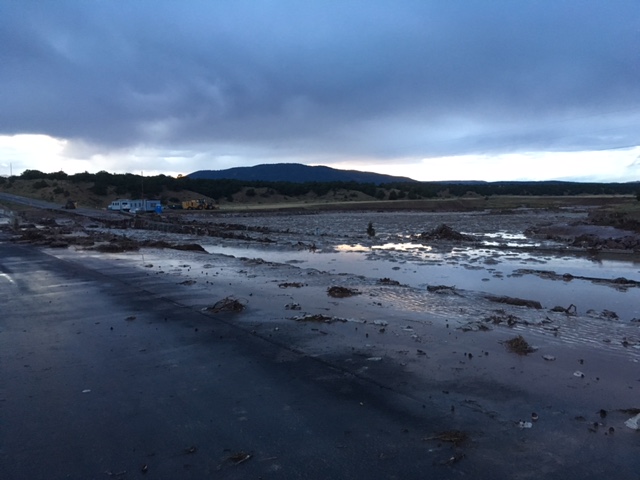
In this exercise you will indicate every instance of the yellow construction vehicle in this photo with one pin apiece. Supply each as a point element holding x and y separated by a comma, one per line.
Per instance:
<point>198,204</point>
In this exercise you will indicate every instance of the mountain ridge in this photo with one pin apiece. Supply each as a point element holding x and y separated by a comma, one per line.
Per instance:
<point>297,173</point>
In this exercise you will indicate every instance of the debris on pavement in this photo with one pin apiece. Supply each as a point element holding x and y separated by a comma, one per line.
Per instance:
<point>519,345</point>
<point>502,317</point>
<point>442,289</point>
<point>317,317</point>
<point>445,232</point>
<point>474,327</point>
<point>518,302</point>
<point>457,437</point>
<point>227,304</point>
<point>571,310</point>
<point>341,292</point>
<point>239,457</point>
<point>634,422</point>
<point>291,285</point>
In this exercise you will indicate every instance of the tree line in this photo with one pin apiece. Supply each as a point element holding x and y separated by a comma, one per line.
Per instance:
<point>137,186</point>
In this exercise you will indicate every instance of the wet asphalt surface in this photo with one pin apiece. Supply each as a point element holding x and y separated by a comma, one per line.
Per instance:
<point>104,374</point>
<point>86,393</point>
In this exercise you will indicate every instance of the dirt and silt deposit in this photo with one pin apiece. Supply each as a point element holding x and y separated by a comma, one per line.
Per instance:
<point>519,330</point>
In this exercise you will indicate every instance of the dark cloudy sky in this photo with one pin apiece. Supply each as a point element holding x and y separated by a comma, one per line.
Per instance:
<point>483,89</point>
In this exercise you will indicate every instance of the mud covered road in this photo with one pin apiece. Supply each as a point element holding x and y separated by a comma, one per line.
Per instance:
<point>111,371</point>
<point>103,379</point>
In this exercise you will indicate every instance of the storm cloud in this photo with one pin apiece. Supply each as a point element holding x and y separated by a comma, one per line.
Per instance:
<point>325,80</point>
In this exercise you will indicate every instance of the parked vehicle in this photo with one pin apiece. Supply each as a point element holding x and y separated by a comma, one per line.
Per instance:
<point>120,205</point>
<point>198,204</point>
<point>135,206</point>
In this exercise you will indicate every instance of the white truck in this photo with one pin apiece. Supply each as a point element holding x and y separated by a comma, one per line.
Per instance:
<point>135,206</point>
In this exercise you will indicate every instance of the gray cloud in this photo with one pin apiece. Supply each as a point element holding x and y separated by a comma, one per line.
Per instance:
<point>358,78</point>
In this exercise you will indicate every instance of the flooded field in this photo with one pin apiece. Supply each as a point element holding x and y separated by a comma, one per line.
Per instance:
<point>501,260</point>
<point>427,309</point>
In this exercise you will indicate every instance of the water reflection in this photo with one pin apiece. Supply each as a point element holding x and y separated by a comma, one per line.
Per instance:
<point>497,272</point>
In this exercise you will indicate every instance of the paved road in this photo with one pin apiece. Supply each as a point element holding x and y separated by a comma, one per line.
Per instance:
<point>86,393</point>
<point>44,205</point>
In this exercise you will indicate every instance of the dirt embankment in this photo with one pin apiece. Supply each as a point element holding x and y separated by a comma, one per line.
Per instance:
<point>606,228</point>
<point>625,220</point>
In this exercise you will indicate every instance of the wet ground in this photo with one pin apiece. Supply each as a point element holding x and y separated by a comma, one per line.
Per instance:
<point>421,347</point>
<point>500,259</point>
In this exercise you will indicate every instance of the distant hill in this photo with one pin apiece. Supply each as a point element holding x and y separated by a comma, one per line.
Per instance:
<point>296,173</point>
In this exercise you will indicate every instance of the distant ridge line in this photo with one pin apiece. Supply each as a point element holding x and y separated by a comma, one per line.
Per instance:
<point>297,173</point>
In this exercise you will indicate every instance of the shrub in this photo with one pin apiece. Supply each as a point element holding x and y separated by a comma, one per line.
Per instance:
<point>370,230</point>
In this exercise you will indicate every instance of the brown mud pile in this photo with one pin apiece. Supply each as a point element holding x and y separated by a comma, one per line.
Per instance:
<point>445,232</point>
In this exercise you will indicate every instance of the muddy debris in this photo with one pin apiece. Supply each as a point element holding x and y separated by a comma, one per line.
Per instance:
<point>456,437</point>
<point>571,310</point>
<point>604,315</point>
<point>291,285</point>
<point>388,281</point>
<point>239,457</point>
<point>317,317</point>
<point>442,289</point>
<point>341,292</point>
<point>630,342</point>
<point>518,302</point>
<point>234,459</point>
<point>189,247</point>
<point>227,305</point>
<point>188,282</point>
<point>501,317</point>
<point>619,283</point>
<point>116,247</point>
<point>474,327</point>
<point>630,411</point>
<point>445,232</point>
<point>519,345</point>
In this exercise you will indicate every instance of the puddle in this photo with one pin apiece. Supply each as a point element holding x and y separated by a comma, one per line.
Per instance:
<point>491,264</point>
<point>471,269</point>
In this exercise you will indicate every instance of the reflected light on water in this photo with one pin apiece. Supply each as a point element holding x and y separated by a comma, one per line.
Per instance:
<point>398,247</point>
<point>403,247</point>
<point>351,248</point>
<point>7,277</point>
